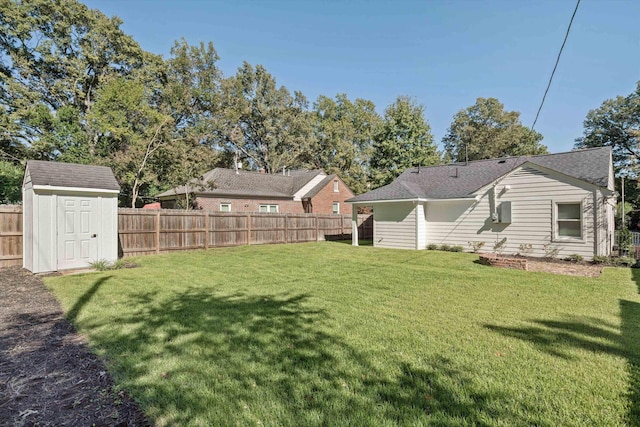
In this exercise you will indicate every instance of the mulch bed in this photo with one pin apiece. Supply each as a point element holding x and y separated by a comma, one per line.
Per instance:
<point>48,375</point>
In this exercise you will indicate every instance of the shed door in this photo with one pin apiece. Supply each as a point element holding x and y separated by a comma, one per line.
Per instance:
<point>77,228</point>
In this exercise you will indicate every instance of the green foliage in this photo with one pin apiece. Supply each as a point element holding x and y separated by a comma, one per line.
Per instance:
<point>525,248</point>
<point>485,130</point>
<point>476,245</point>
<point>550,251</point>
<point>600,259</point>
<point>624,261</point>
<point>498,247</point>
<point>445,247</point>
<point>268,333</point>
<point>404,141</point>
<point>10,182</point>
<point>616,124</point>
<point>457,248</point>
<point>574,258</point>
<point>624,239</point>
<point>343,134</point>
<point>104,265</point>
<point>432,247</point>
<point>100,265</point>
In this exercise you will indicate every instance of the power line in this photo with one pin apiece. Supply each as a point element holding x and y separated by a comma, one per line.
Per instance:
<point>555,66</point>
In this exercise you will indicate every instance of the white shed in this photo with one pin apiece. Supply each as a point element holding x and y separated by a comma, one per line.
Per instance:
<point>70,215</point>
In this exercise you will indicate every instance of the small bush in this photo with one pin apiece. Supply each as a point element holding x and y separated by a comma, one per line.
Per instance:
<point>457,248</point>
<point>525,248</point>
<point>476,245</point>
<point>599,259</point>
<point>100,265</point>
<point>498,247</point>
<point>574,258</point>
<point>432,247</point>
<point>624,261</point>
<point>445,247</point>
<point>550,251</point>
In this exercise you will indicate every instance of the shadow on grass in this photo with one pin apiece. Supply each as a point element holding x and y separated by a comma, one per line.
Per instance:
<point>206,358</point>
<point>86,297</point>
<point>559,337</point>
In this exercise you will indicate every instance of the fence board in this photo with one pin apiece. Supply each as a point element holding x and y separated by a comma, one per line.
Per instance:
<point>10,235</point>
<point>145,232</point>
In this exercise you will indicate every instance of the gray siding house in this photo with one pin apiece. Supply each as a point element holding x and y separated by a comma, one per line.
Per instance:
<point>564,201</point>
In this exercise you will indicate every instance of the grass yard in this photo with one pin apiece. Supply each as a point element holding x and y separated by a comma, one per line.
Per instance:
<point>328,334</point>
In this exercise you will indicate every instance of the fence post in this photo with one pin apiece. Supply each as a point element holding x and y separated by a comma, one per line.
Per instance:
<point>286,228</point>
<point>317,226</point>
<point>157,225</point>
<point>206,229</point>
<point>249,228</point>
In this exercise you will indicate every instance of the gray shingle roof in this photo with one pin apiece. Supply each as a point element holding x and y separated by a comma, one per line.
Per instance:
<point>71,175</point>
<point>459,180</point>
<point>225,182</point>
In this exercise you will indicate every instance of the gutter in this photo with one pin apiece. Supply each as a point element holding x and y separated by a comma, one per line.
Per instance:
<point>417,200</point>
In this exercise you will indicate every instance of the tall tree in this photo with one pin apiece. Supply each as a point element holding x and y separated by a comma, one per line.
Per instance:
<point>53,57</point>
<point>267,124</point>
<point>616,124</point>
<point>10,182</point>
<point>404,141</point>
<point>130,132</point>
<point>344,133</point>
<point>485,130</point>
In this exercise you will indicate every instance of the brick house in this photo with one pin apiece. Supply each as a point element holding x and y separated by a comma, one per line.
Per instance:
<point>297,191</point>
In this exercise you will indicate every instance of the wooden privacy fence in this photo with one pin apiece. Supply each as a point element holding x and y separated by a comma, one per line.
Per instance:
<point>10,236</point>
<point>145,231</point>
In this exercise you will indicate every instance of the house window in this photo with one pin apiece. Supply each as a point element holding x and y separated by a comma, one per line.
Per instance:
<point>336,207</point>
<point>225,207</point>
<point>569,220</point>
<point>268,209</point>
<point>335,186</point>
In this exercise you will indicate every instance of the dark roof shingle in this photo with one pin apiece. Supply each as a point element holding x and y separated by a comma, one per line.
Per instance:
<point>460,180</point>
<point>58,174</point>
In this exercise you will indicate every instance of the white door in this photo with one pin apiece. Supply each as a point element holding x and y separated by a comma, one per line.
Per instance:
<point>77,228</point>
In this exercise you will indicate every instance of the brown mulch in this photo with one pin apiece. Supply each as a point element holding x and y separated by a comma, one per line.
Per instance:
<point>48,375</point>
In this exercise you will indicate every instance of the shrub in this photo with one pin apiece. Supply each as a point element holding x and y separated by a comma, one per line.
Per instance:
<point>445,247</point>
<point>498,247</point>
<point>550,251</point>
<point>100,265</point>
<point>574,258</point>
<point>432,247</point>
<point>624,261</point>
<point>599,259</point>
<point>525,248</point>
<point>625,241</point>
<point>457,248</point>
<point>476,245</point>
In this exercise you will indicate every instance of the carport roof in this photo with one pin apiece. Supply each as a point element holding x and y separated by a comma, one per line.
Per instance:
<point>71,175</point>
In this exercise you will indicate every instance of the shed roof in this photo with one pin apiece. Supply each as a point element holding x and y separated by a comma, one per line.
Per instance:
<point>71,175</point>
<point>460,180</point>
<point>226,182</point>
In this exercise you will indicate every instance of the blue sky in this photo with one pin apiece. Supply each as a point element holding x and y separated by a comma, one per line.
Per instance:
<point>444,54</point>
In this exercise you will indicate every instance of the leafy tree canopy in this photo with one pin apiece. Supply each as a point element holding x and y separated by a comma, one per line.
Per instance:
<point>404,141</point>
<point>485,130</point>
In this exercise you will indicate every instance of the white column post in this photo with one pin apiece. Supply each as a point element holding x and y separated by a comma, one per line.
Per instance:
<point>354,225</point>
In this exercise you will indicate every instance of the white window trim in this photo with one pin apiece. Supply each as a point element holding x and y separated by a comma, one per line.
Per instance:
<point>332,208</point>
<point>225,204</point>
<point>554,219</point>
<point>336,186</point>
<point>268,208</point>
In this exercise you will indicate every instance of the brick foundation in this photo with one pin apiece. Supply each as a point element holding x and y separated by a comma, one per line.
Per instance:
<point>495,260</point>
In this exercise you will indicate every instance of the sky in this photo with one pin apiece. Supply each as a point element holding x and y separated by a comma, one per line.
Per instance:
<point>444,54</point>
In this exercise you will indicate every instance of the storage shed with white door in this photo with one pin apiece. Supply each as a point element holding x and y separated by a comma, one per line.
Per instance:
<point>70,215</point>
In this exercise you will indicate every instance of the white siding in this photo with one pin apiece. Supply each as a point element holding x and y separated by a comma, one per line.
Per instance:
<point>532,194</point>
<point>421,226</point>
<point>394,225</point>
<point>27,223</point>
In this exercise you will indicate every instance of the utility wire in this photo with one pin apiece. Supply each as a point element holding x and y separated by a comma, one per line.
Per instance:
<point>555,66</point>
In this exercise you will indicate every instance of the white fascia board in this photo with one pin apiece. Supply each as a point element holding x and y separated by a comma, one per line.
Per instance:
<point>73,189</point>
<point>308,186</point>
<point>419,200</point>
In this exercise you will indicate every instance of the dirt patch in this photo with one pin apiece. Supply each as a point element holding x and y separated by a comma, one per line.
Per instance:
<point>48,375</point>
<point>564,267</point>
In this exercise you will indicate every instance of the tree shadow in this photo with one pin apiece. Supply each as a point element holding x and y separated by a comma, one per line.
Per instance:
<point>73,313</point>
<point>558,338</point>
<point>203,357</point>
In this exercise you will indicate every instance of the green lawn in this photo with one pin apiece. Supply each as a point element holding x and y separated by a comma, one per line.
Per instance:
<point>328,334</point>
